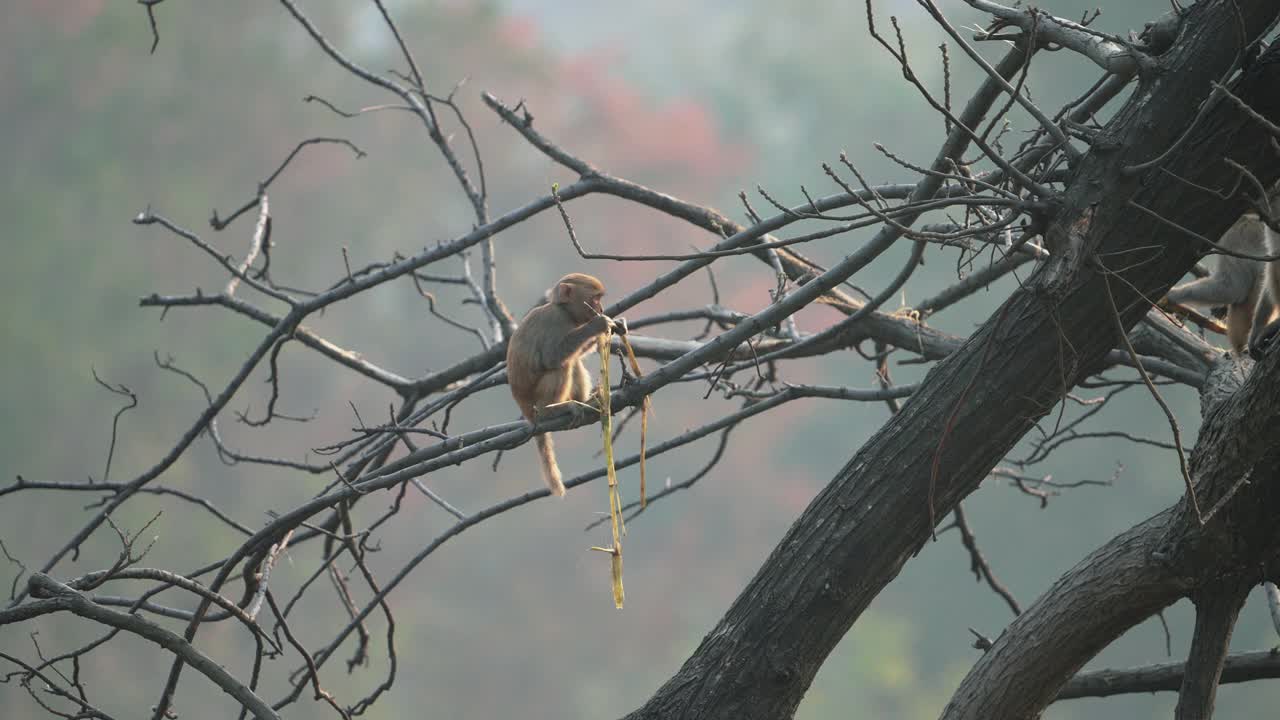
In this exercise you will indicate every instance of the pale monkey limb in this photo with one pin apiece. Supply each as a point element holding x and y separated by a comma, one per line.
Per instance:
<point>1265,329</point>
<point>1236,282</point>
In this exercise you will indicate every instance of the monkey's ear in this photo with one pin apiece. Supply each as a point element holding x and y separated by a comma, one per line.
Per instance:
<point>562,294</point>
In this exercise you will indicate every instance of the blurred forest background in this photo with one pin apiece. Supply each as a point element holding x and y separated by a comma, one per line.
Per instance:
<point>697,98</point>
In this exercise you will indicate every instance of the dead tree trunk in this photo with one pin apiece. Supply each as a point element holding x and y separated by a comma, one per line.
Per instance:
<point>1116,235</point>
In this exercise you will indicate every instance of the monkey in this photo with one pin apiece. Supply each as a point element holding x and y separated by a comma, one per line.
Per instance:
<point>1264,331</point>
<point>544,357</point>
<point>1238,283</point>
<point>1250,289</point>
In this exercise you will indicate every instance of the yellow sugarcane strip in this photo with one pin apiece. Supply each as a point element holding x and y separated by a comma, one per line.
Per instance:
<point>615,564</point>
<point>645,406</point>
<point>606,424</point>
<point>615,501</point>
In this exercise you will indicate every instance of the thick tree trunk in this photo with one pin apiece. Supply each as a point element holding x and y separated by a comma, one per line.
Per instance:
<point>854,538</point>
<point>1168,557</point>
<point>1216,612</point>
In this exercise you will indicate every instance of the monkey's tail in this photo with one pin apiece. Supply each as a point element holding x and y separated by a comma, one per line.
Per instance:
<point>550,471</point>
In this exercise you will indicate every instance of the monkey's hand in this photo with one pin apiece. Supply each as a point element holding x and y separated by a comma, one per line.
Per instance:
<point>620,326</point>
<point>600,323</point>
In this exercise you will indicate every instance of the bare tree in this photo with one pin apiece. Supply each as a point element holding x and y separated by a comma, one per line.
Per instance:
<point>1111,213</point>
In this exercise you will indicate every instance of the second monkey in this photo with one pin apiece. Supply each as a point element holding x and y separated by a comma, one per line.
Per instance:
<point>1248,288</point>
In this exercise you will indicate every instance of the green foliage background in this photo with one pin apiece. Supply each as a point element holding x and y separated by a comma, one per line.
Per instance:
<point>698,99</point>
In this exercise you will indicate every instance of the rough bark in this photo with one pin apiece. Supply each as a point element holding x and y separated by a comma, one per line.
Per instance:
<point>1165,558</point>
<point>1216,612</point>
<point>855,536</point>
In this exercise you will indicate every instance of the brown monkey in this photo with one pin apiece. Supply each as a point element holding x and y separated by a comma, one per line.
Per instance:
<point>1238,283</point>
<point>544,357</point>
<point>1264,335</point>
<point>1250,289</point>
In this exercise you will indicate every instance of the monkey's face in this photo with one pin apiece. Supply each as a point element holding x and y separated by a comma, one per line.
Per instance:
<point>584,304</point>
<point>580,296</point>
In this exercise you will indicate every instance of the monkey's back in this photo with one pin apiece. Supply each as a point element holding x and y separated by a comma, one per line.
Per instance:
<point>524,365</point>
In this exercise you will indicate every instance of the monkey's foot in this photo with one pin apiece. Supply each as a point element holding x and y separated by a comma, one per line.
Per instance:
<point>1261,343</point>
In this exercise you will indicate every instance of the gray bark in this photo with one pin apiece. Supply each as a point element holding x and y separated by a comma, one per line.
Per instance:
<point>856,535</point>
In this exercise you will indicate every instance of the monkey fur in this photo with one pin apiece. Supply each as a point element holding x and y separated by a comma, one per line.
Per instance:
<point>544,357</point>
<point>1266,328</point>
<point>1249,289</point>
